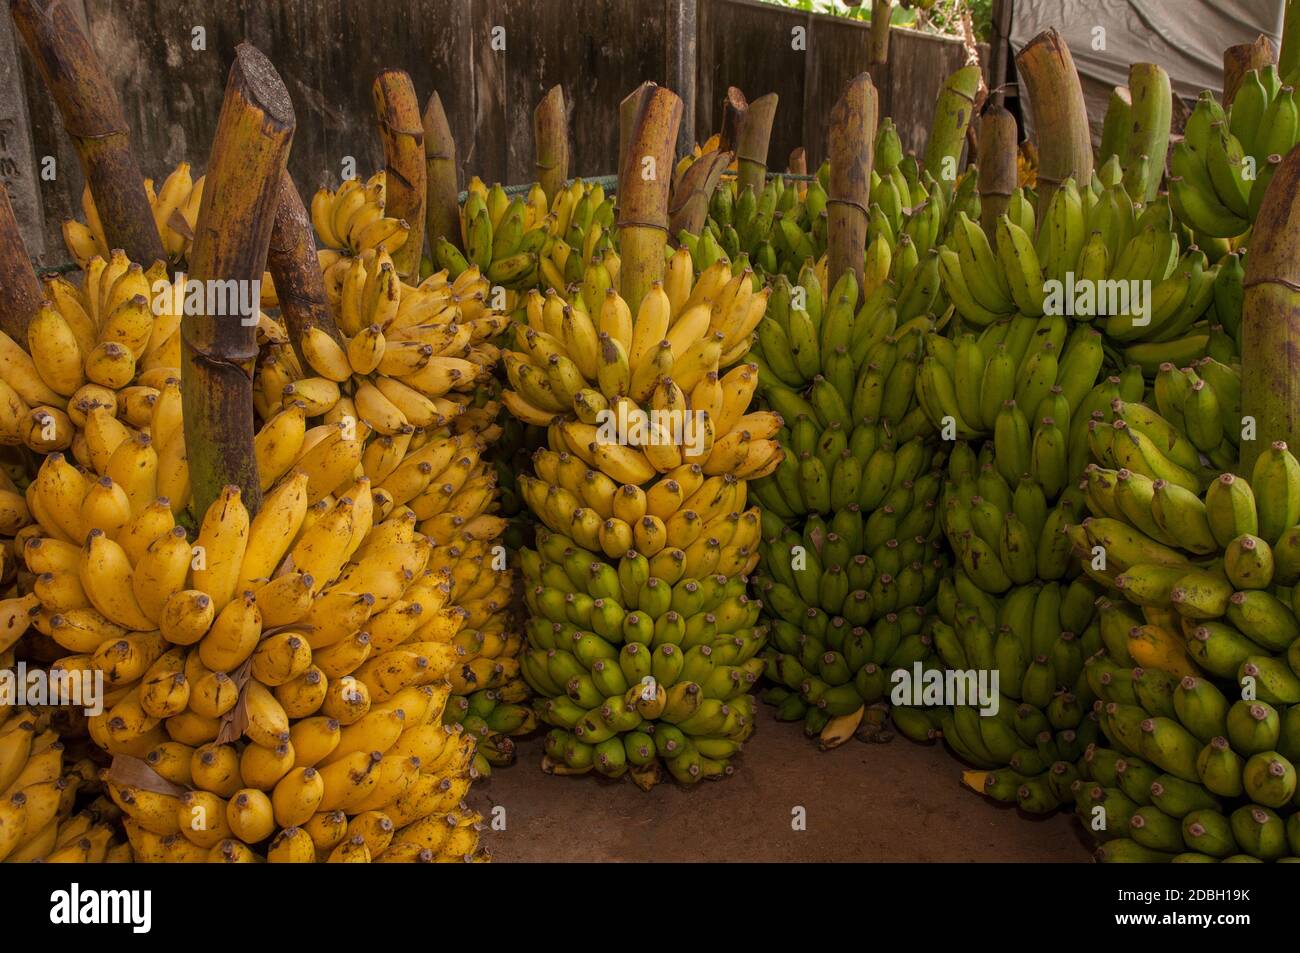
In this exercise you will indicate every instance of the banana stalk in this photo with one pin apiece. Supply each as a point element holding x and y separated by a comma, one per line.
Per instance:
<point>690,205</point>
<point>442,211</point>
<point>751,146</point>
<point>734,107</point>
<point>1271,317</point>
<point>1060,114</point>
<point>93,119</point>
<point>798,163</point>
<point>878,40</point>
<point>851,145</point>
<point>628,110</point>
<point>402,132</point>
<point>551,135</point>
<point>952,115</point>
<point>644,181</point>
<point>997,166</point>
<point>1241,59</point>
<point>248,158</point>
<point>295,269</point>
<point>20,291</point>
<point>1151,105</point>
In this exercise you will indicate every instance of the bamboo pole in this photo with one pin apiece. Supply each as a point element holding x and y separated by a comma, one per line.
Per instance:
<point>551,139</point>
<point>690,205</point>
<point>398,112</point>
<point>952,116</point>
<point>850,147</point>
<point>1060,114</point>
<point>295,269</point>
<point>93,119</point>
<point>1270,393</point>
<point>628,111</point>
<point>998,176</point>
<point>751,149</point>
<point>21,294</point>
<point>1241,59</point>
<point>644,181</point>
<point>442,213</point>
<point>245,169</point>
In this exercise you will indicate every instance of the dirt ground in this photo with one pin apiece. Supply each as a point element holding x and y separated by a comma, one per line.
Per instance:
<point>863,802</point>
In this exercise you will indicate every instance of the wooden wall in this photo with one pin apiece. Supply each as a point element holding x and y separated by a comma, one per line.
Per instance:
<point>328,51</point>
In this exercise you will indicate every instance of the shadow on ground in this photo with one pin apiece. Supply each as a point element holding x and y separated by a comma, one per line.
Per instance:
<point>863,802</point>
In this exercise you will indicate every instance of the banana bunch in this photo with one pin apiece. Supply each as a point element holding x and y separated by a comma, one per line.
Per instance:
<point>1016,371</point>
<point>38,793</point>
<point>1097,257</point>
<point>447,487</point>
<point>1190,435</point>
<point>175,211</point>
<point>96,357</point>
<point>775,232</point>
<point>637,399</point>
<point>1035,639</point>
<point>847,598</point>
<point>1190,774</point>
<point>813,337</point>
<point>1220,171</point>
<point>285,672</point>
<point>405,357</point>
<point>520,242</point>
<point>639,666</point>
<point>350,220</point>
<point>1199,676</point>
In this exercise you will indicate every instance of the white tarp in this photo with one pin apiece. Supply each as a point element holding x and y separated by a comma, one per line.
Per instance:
<point>1186,37</point>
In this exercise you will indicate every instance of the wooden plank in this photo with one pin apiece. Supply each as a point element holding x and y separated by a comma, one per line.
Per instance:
<point>749,45</point>
<point>843,50</point>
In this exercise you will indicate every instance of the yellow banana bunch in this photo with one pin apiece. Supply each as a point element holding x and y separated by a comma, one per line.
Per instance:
<point>38,788</point>
<point>278,674</point>
<point>175,206</point>
<point>404,356</point>
<point>635,398</point>
<point>102,350</point>
<point>351,220</point>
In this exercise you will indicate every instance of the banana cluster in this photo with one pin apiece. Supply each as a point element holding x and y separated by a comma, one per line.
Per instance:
<point>775,232</point>
<point>831,340</point>
<point>284,673</point>
<point>847,596</point>
<point>100,351</point>
<point>1198,678</point>
<point>639,666</point>
<point>351,221</point>
<point>175,212</point>
<point>605,385</point>
<point>1091,241</point>
<point>38,793</point>
<point>1220,171</point>
<point>1037,638</point>
<point>404,357</point>
<point>518,242</point>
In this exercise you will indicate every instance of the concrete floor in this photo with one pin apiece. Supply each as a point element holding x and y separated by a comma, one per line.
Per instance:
<point>863,802</point>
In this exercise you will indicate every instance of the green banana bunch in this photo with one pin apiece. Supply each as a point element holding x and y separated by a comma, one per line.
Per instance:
<point>777,230</point>
<point>637,668</point>
<point>1221,169</point>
